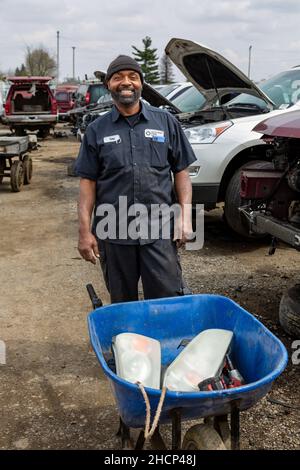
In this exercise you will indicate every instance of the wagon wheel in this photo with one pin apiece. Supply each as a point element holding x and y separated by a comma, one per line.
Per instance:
<point>27,165</point>
<point>16,176</point>
<point>202,437</point>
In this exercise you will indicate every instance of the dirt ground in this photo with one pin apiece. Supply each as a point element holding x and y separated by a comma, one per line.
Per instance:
<point>53,394</point>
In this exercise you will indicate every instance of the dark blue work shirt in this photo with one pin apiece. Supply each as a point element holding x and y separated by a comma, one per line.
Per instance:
<point>134,158</point>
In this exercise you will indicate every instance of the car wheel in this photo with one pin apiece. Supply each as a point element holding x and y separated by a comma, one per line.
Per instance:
<point>71,169</point>
<point>20,131</point>
<point>43,133</point>
<point>289,311</point>
<point>233,201</point>
<point>2,168</point>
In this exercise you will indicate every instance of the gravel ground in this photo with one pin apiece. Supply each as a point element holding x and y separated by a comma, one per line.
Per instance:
<point>53,393</point>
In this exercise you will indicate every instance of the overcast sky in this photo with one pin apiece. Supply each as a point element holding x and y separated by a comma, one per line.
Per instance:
<point>100,30</point>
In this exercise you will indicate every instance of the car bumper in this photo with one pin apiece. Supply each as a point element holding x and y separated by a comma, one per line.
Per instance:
<point>31,120</point>
<point>206,194</point>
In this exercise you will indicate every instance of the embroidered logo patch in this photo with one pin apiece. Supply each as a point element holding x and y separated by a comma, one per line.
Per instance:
<point>154,134</point>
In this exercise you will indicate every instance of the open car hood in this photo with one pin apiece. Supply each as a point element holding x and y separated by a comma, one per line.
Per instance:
<point>209,71</point>
<point>154,98</point>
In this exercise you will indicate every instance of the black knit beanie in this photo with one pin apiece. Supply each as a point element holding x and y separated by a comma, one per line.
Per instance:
<point>123,62</point>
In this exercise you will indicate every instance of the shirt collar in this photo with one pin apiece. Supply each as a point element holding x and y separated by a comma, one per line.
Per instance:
<point>144,112</point>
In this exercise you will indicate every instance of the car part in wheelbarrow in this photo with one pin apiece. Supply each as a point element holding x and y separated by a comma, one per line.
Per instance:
<point>138,358</point>
<point>201,359</point>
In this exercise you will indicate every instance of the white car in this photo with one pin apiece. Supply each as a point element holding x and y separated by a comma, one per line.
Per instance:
<point>221,132</point>
<point>173,90</point>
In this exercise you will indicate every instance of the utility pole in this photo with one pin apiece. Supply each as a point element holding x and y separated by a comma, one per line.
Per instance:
<point>249,62</point>
<point>73,47</point>
<point>57,57</point>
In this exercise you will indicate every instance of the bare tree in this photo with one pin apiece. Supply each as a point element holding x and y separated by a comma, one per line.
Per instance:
<point>166,71</point>
<point>39,62</point>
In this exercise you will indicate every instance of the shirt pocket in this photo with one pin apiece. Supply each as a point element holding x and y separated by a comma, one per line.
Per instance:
<point>158,154</point>
<point>112,156</point>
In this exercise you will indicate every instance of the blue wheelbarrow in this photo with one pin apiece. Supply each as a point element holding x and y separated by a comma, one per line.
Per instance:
<point>257,353</point>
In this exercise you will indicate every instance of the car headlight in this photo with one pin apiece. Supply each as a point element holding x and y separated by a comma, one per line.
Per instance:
<point>206,134</point>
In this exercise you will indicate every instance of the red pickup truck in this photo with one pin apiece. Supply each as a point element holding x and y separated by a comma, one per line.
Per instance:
<point>30,105</point>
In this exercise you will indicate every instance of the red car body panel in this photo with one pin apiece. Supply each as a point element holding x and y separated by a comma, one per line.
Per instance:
<point>282,125</point>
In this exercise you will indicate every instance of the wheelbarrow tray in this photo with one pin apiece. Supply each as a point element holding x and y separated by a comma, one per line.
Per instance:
<point>256,352</point>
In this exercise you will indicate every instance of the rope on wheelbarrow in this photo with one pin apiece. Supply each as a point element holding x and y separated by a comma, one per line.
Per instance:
<point>149,432</point>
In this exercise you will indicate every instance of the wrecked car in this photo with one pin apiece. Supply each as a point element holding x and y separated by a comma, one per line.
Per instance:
<point>221,132</point>
<point>270,198</point>
<point>30,105</point>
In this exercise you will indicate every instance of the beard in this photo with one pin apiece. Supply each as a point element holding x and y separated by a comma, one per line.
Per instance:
<point>126,100</point>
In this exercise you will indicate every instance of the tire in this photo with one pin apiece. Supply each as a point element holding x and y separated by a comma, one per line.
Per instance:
<point>71,169</point>
<point>202,437</point>
<point>2,168</point>
<point>233,201</point>
<point>27,166</point>
<point>289,311</point>
<point>16,176</point>
<point>20,131</point>
<point>43,133</point>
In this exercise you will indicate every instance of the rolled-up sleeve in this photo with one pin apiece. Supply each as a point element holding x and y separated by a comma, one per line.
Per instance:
<point>181,154</point>
<point>87,163</point>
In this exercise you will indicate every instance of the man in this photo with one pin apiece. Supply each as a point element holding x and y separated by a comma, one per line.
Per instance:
<point>128,155</point>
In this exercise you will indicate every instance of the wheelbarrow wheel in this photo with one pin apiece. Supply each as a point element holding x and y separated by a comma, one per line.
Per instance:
<point>27,165</point>
<point>16,176</point>
<point>202,437</point>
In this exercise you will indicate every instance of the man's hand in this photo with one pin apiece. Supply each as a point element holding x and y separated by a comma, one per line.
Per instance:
<point>186,234</point>
<point>88,247</point>
<point>183,186</point>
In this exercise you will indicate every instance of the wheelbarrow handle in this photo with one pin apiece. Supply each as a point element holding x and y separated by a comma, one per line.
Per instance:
<point>96,301</point>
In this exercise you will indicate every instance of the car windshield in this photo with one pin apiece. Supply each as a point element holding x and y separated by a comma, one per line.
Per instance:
<point>283,89</point>
<point>62,96</point>
<point>165,90</point>
<point>190,100</point>
<point>105,99</point>
<point>97,91</point>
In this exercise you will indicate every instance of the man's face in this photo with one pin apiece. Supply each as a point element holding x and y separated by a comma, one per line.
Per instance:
<point>125,87</point>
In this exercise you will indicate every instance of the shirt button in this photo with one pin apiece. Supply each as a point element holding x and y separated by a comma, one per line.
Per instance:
<point>131,130</point>
<point>133,146</point>
<point>134,164</point>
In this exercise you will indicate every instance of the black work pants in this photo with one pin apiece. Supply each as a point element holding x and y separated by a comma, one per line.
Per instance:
<point>157,264</point>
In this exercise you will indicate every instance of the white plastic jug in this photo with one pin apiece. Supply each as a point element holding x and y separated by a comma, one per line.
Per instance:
<point>201,359</point>
<point>138,359</point>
